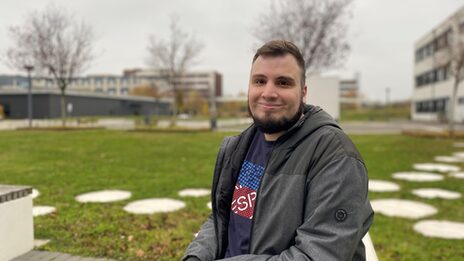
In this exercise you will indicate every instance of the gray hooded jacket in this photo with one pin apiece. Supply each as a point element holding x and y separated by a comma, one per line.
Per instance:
<point>312,203</point>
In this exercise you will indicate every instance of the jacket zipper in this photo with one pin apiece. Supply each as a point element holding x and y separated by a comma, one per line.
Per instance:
<point>291,130</point>
<point>257,197</point>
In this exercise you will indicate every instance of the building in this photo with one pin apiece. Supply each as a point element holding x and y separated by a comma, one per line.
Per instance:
<point>204,82</point>
<point>207,83</point>
<point>196,89</point>
<point>350,95</point>
<point>46,104</point>
<point>324,91</point>
<point>433,82</point>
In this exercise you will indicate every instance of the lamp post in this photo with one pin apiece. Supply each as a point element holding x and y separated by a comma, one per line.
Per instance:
<point>387,103</point>
<point>213,107</point>
<point>29,68</point>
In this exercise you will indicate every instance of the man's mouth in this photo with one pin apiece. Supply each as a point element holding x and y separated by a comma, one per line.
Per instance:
<point>269,105</point>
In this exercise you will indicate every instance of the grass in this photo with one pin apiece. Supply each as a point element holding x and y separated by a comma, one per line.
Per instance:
<point>380,113</point>
<point>64,164</point>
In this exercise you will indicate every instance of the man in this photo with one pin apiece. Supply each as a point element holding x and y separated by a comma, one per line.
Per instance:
<point>290,187</point>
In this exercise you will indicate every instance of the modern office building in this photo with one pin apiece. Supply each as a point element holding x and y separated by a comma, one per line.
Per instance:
<point>205,82</point>
<point>433,81</point>
<point>203,85</point>
<point>350,95</point>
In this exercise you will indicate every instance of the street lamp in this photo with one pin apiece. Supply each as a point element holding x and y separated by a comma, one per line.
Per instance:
<point>387,103</point>
<point>213,107</point>
<point>29,68</point>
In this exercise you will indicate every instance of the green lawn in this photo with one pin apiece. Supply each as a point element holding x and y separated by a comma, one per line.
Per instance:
<point>376,114</point>
<point>64,164</point>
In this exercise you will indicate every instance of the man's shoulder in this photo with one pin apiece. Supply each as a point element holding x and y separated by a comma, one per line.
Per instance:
<point>334,138</point>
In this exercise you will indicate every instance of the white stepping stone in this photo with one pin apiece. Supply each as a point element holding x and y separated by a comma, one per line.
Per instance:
<point>459,175</point>
<point>440,228</point>
<point>154,205</point>
<point>417,176</point>
<point>382,186</point>
<point>42,210</point>
<point>435,167</point>
<point>458,154</point>
<point>35,193</point>
<point>436,193</point>
<point>209,205</point>
<point>104,196</point>
<point>402,208</point>
<point>449,159</point>
<point>40,242</point>
<point>194,192</point>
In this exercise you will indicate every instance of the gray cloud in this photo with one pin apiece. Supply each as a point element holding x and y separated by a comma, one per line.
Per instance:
<point>382,34</point>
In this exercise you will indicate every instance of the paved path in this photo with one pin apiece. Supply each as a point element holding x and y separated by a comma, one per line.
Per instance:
<point>237,125</point>
<point>373,127</point>
<point>35,255</point>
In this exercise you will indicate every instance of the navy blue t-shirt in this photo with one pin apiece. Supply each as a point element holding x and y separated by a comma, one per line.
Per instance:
<point>245,194</point>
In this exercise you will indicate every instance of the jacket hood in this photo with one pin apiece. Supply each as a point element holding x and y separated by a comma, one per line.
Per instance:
<point>313,119</point>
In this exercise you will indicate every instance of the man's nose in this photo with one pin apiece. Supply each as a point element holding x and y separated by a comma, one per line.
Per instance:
<point>269,91</point>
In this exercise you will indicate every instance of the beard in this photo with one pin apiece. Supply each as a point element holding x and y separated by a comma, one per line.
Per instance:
<point>270,125</point>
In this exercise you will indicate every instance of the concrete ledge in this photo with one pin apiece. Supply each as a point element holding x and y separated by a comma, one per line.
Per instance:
<point>8,193</point>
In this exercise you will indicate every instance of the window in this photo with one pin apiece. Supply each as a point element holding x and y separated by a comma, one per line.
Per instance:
<point>440,74</point>
<point>98,81</point>
<point>111,90</point>
<point>461,100</point>
<point>419,55</point>
<point>432,106</point>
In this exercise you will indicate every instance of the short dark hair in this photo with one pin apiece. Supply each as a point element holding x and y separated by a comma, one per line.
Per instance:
<point>280,48</point>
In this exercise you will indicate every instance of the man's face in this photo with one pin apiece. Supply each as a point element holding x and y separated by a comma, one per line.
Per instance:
<point>275,94</point>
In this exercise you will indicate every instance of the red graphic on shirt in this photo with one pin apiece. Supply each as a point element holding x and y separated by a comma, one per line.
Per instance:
<point>243,201</point>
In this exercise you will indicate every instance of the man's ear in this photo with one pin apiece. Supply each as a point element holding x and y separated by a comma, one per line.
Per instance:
<point>304,93</point>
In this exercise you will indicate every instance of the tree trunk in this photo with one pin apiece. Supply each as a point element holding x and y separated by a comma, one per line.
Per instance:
<point>63,107</point>
<point>174,110</point>
<point>178,101</point>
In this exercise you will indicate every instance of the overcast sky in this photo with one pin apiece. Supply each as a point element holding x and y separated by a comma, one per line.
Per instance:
<point>382,35</point>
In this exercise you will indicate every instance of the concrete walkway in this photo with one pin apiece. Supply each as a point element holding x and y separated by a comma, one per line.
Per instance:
<point>35,255</point>
<point>372,127</point>
<point>237,125</point>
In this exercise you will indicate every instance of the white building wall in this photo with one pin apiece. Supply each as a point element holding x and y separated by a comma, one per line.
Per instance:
<point>325,93</point>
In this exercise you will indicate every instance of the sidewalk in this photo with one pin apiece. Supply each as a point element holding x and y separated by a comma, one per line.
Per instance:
<point>237,125</point>
<point>55,256</point>
<point>393,127</point>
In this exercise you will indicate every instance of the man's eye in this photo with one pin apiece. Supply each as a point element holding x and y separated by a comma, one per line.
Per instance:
<point>259,81</point>
<point>283,82</point>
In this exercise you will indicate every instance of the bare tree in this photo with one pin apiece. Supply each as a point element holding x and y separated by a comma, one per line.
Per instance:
<point>55,44</point>
<point>453,56</point>
<point>172,57</point>
<point>318,28</point>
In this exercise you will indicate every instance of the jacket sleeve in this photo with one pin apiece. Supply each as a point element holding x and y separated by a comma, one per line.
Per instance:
<point>203,247</point>
<point>337,216</point>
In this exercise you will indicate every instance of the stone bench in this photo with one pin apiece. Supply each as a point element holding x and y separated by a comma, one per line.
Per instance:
<point>16,222</point>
